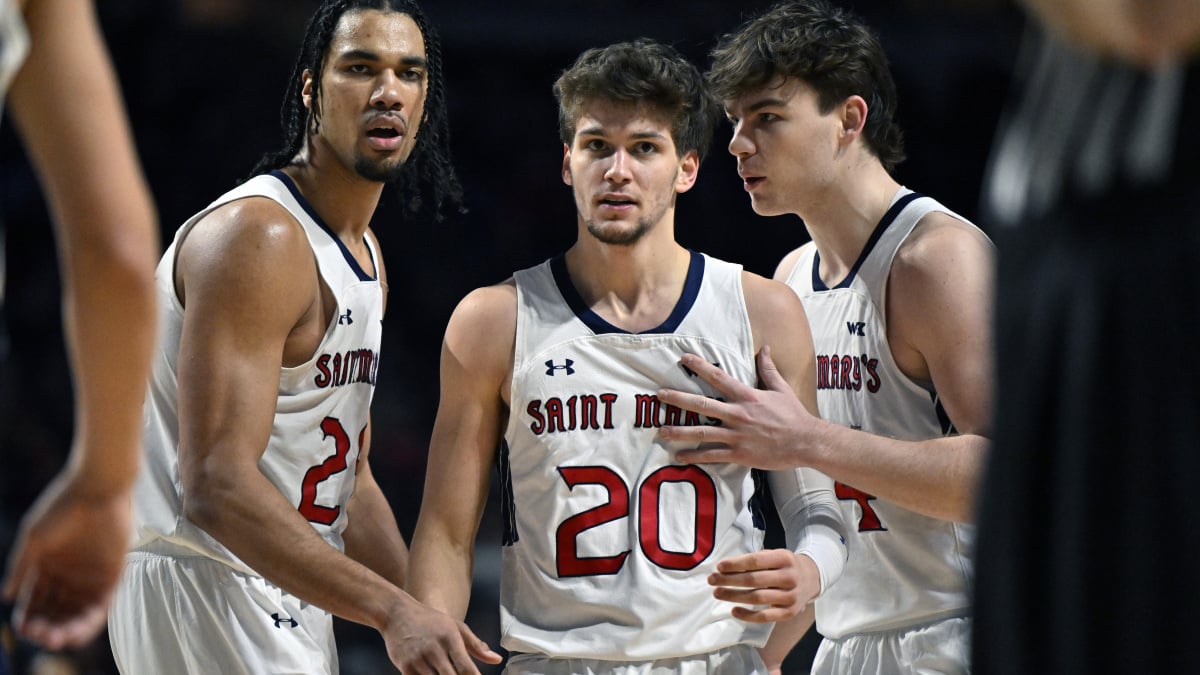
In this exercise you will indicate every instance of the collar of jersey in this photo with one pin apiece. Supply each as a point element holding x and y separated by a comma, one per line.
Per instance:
<point>350,260</point>
<point>691,289</point>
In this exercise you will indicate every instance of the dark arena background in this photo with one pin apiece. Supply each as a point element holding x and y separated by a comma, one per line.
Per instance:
<point>203,80</point>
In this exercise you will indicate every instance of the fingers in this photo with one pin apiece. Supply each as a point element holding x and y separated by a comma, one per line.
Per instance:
<point>768,615</point>
<point>769,373</point>
<point>478,648</point>
<point>714,375</point>
<point>56,616</point>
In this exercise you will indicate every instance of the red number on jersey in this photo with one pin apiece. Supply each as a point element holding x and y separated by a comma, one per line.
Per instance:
<point>570,564</point>
<point>869,522</point>
<point>335,463</point>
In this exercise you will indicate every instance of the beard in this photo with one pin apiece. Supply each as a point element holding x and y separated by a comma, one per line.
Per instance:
<point>619,237</point>
<point>379,171</point>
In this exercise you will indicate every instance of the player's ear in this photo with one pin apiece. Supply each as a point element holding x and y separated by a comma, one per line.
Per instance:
<point>853,116</point>
<point>689,170</point>
<point>566,167</point>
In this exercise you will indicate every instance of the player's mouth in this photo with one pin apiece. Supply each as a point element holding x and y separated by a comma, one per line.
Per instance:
<point>385,132</point>
<point>616,202</point>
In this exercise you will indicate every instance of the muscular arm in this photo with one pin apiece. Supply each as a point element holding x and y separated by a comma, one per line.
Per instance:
<point>67,107</point>
<point>476,360</point>
<point>939,326</point>
<point>1141,31</point>
<point>939,310</point>
<point>231,350</point>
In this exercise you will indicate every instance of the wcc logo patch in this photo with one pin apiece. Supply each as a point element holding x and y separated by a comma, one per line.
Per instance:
<point>567,367</point>
<point>856,328</point>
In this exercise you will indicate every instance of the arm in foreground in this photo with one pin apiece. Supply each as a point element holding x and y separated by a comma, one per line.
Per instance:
<point>71,545</point>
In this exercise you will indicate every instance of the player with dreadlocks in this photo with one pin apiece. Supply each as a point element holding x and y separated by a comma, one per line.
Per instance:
<point>256,515</point>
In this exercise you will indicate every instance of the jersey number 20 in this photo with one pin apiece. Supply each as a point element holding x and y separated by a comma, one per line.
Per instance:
<point>571,564</point>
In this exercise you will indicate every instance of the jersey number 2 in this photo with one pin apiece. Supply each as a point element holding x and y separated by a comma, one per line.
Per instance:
<point>571,564</point>
<point>331,427</point>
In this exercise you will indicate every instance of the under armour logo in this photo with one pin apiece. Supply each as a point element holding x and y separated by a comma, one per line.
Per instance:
<point>344,319</point>
<point>280,620</point>
<point>551,366</point>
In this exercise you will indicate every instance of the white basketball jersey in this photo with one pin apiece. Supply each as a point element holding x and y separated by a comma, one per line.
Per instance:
<point>904,568</point>
<point>14,44</point>
<point>608,540</point>
<point>322,405</point>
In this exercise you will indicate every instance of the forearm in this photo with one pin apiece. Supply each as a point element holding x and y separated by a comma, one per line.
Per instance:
<point>440,571</point>
<point>372,536</point>
<point>106,231</point>
<point>784,637</point>
<point>251,517</point>
<point>937,477</point>
<point>812,522</point>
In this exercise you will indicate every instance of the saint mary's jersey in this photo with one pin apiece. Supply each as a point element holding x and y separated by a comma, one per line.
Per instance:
<point>322,405</point>
<point>608,540</point>
<point>904,568</point>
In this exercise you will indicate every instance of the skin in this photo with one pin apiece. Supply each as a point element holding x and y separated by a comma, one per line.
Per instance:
<point>625,173</point>
<point>795,159</point>
<point>70,548</point>
<point>1146,32</point>
<point>233,346</point>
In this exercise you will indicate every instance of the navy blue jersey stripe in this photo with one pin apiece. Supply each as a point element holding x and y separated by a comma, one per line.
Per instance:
<point>508,506</point>
<point>884,223</point>
<point>691,290</point>
<point>350,260</point>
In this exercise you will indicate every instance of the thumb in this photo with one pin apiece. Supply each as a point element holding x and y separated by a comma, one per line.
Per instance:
<point>768,373</point>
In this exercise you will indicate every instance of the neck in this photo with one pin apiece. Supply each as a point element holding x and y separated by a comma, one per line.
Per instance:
<point>633,287</point>
<point>842,221</point>
<point>343,199</point>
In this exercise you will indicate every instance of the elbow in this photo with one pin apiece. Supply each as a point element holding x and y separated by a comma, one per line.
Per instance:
<point>207,493</point>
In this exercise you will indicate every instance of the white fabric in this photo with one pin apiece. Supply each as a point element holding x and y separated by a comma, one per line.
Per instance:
<point>609,540</point>
<point>904,568</point>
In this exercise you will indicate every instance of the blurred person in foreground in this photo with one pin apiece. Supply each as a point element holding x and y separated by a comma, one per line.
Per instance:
<point>1089,527</point>
<point>66,104</point>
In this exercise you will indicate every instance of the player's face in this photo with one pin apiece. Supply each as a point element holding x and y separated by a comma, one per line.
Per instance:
<point>624,170</point>
<point>372,94</point>
<point>787,151</point>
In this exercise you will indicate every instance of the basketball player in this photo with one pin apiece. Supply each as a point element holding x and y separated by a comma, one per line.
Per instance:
<point>897,289</point>
<point>257,517</point>
<point>609,541</point>
<point>66,103</point>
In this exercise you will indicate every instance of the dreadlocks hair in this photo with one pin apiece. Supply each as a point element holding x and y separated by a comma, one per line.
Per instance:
<point>428,170</point>
<point>827,48</point>
<point>642,72</point>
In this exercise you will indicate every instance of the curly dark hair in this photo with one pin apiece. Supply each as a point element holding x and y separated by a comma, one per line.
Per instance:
<point>429,170</point>
<point>640,72</point>
<point>829,49</point>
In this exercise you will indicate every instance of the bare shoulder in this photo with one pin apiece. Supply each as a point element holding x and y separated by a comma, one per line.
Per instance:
<point>483,327</point>
<point>776,313</point>
<point>942,245</point>
<point>253,245</point>
<point>784,269</point>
